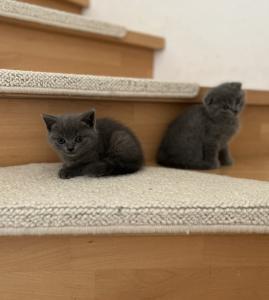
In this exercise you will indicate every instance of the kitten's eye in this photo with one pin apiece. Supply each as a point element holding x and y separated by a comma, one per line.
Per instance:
<point>78,139</point>
<point>60,140</point>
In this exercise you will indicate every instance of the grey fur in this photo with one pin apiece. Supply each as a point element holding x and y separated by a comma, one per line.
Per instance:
<point>198,139</point>
<point>93,147</point>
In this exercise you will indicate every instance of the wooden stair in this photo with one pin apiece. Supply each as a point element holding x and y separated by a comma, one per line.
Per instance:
<point>147,114</point>
<point>165,267</point>
<point>73,6</point>
<point>41,39</point>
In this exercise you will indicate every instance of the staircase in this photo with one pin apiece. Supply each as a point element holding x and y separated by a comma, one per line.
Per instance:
<point>35,38</point>
<point>56,62</point>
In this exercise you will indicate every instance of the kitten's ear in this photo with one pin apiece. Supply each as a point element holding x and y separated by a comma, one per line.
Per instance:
<point>49,120</point>
<point>208,99</point>
<point>89,118</point>
<point>236,85</point>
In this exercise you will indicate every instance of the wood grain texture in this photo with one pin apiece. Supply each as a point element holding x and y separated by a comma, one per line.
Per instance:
<point>25,139</point>
<point>30,49</point>
<point>72,6</point>
<point>144,40</point>
<point>132,38</point>
<point>196,267</point>
<point>83,3</point>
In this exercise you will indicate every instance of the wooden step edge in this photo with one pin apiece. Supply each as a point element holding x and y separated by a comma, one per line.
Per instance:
<point>72,6</point>
<point>82,3</point>
<point>42,18</point>
<point>56,85</point>
<point>144,40</point>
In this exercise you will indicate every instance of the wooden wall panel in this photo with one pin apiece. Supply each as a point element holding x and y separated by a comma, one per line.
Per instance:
<point>196,267</point>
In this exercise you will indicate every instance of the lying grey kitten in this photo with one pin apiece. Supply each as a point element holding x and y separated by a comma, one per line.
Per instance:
<point>93,147</point>
<point>198,139</point>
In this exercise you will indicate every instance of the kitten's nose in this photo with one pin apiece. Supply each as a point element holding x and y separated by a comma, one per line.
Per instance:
<point>70,149</point>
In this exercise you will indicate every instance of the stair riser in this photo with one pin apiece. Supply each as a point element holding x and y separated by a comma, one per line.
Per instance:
<point>138,267</point>
<point>24,139</point>
<point>31,48</point>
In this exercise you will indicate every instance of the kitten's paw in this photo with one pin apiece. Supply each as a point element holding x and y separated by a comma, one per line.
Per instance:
<point>227,162</point>
<point>216,165</point>
<point>65,173</point>
<point>212,165</point>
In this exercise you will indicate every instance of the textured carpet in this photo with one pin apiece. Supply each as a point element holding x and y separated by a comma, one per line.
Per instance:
<point>50,17</point>
<point>87,85</point>
<point>156,200</point>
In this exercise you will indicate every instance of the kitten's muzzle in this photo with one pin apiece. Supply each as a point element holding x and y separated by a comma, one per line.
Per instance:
<point>70,149</point>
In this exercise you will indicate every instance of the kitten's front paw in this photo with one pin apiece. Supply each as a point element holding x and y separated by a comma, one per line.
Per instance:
<point>213,165</point>
<point>65,173</point>
<point>227,162</point>
<point>217,164</point>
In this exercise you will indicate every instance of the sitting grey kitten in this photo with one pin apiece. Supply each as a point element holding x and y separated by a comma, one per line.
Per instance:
<point>198,139</point>
<point>93,147</point>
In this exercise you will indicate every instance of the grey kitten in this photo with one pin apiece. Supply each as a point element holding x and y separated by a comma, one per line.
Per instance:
<point>93,147</point>
<point>198,139</point>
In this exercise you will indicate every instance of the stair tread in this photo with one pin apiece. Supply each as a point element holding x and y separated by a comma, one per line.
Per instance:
<point>57,84</point>
<point>38,16</point>
<point>35,200</point>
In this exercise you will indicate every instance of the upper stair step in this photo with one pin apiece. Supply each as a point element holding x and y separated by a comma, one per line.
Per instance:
<point>73,6</point>
<point>42,39</point>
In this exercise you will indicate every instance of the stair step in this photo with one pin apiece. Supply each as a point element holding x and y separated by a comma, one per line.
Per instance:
<point>53,84</point>
<point>147,106</point>
<point>142,104</point>
<point>54,18</point>
<point>36,201</point>
<point>42,39</point>
<point>73,6</point>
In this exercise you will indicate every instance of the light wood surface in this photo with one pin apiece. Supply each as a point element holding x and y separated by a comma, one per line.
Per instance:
<point>252,167</point>
<point>25,139</point>
<point>133,38</point>
<point>144,40</point>
<point>198,267</point>
<point>24,48</point>
<point>83,3</point>
<point>73,6</point>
